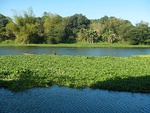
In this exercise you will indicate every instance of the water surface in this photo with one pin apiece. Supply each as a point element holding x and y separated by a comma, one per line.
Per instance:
<point>74,51</point>
<point>67,100</point>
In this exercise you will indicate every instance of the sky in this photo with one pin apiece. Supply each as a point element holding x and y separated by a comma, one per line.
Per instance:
<point>133,10</point>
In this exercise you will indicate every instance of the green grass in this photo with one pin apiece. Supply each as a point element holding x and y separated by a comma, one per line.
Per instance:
<point>81,44</point>
<point>22,72</point>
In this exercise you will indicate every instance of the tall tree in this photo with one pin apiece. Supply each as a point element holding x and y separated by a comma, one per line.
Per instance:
<point>54,28</point>
<point>140,34</point>
<point>75,23</point>
<point>123,30</point>
<point>110,27</point>
<point>25,27</point>
<point>3,22</point>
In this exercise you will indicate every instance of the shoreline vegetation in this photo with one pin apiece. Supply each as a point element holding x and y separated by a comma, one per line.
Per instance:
<point>22,72</point>
<point>80,44</point>
<point>51,29</point>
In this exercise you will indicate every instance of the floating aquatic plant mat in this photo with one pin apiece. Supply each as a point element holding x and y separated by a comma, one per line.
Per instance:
<point>21,72</point>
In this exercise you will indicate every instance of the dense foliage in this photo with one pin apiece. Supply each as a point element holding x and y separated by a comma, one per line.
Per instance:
<point>115,73</point>
<point>52,28</point>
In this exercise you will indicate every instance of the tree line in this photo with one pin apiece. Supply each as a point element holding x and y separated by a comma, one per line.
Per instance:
<point>54,29</point>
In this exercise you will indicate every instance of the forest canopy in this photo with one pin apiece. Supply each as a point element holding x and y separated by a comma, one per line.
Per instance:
<point>54,29</point>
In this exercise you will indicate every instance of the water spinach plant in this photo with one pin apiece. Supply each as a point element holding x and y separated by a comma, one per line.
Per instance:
<point>21,72</point>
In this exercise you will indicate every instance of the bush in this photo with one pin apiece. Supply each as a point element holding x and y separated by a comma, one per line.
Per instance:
<point>8,42</point>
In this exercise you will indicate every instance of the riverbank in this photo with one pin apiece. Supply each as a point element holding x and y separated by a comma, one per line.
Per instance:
<point>21,72</point>
<point>82,44</point>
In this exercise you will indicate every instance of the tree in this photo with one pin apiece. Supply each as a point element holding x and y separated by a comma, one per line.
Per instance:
<point>143,30</point>
<point>90,35</point>
<point>140,34</point>
<point>110,28</point>
<point>25,28</point>
<point>56,34</point>
<point>93,36</point>
<point>84,34</point>
<point>75,23</point>
<point>123,30</point>
<point>54,28</point>
<point>96,25</point>
<point>109,36</point>
<point>104,19</point>
<point>3,22</point>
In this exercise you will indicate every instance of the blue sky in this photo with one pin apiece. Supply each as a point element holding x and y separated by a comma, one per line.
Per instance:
<point>132,10</point>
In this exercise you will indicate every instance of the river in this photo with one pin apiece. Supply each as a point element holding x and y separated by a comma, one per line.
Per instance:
<point>67,100</point>
<point>75,51</point>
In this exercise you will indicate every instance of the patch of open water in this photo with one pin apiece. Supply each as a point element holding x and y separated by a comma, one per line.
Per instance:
<point>58,99</point>
<point>123,52</point>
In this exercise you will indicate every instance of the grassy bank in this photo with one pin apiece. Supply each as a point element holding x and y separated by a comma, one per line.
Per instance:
<point>113,73</point>
<point>81,44</point>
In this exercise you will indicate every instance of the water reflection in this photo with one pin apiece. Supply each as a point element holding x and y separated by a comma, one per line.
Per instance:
<point>74,51</point>
<point>61,99</point>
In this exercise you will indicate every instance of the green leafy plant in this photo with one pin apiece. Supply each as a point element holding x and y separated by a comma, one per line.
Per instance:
<point>22,72</point>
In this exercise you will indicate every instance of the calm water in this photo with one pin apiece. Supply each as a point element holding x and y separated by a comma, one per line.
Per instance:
<point>75,51</point>
<point>66,100</point>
